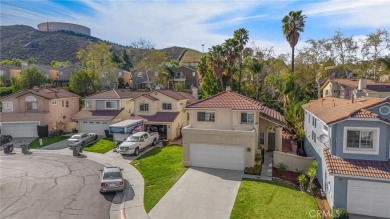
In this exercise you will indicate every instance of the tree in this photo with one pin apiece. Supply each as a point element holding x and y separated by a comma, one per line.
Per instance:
<point>60,64</point>
<point>255,67</point>
<point>121,82</point>
<point>126,60</point>
<point>374,47</point>
<point>231,54</point>
<point>29,77</point>
<point>293,23</point>
<point>14,62</point>
<point>302,180</point>
<point>311,172</point>
<point>344,51</point>
<point>170,71</point>
<point>210,83</point>
<point>242,36</point>
<point>80,82</point>
<point>31,61</point>
<point>99,66</point>
<point>217,57</point>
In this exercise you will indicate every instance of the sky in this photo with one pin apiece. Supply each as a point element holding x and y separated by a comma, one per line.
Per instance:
<point>192,23</point>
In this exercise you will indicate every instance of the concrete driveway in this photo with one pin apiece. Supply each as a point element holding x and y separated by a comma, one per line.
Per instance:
<point>51,186</point>
<point>200,193</point>
<point>62,144</point>
<point>18,141</point>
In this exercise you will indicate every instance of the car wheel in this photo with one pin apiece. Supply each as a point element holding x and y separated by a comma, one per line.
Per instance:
<point>136,152</point>
<point>154,142</point>
<point>9,139</point>
<point>82,144</point>
<point>96,137</point>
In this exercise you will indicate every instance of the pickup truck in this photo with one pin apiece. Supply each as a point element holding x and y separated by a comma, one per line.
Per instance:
<point>137,142</point>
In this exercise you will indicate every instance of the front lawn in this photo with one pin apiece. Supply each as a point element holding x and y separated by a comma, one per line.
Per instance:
<point>47,141</point>
<point>275,199</point>
<point>102,146</point>
<point>160,168</point>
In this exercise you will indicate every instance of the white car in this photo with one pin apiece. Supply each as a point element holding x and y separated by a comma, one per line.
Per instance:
<point>111,180</point>
<point>81,139</point>
<point>137,142</point>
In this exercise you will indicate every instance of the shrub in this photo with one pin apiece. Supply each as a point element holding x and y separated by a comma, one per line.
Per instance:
<point>282,168</point>
<point>5,91</point>
<point>258,158</point>
<point>74,130</point>
<point>339,213</point>
<point>302,180</point>
<point>256,170</point>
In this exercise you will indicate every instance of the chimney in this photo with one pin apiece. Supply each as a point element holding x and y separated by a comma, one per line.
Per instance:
<point>362,84</point>
<point>228,88</point>
<point>194,92</point>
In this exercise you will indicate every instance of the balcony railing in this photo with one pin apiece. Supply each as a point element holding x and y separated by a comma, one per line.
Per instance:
<point>179,78</point>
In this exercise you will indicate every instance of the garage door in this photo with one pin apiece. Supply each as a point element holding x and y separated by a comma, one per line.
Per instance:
<point>28,129</point>
<point>97,127</point>
<point>217,156</point>
<point>368,198</point>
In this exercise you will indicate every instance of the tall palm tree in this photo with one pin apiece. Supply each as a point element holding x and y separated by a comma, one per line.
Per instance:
<point>231,51</point>
<point>293,23</point>
<point>217,54</point>
<point>242,36</point>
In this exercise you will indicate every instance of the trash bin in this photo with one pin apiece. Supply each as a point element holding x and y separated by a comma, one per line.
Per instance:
<point>25,148</point>
<point>76,151</point>
<point>8,148</point>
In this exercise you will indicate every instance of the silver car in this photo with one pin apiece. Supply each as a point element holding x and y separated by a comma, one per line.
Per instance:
<point>111,180</point>
<point>81,139</point>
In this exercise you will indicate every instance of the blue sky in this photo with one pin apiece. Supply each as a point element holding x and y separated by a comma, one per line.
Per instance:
<point>195,22</point>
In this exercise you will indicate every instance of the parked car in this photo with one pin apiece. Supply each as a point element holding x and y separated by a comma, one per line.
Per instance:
<point>5,139</point>
<point>81,139</point>
<point>137,142</point>
<point>111,180</point>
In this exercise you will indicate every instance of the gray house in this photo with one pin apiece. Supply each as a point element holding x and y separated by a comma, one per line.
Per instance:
<point>351,142</point>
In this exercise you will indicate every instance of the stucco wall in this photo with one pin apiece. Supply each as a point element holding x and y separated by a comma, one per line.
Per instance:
<point>152,106</point>
<point>293,162</point>
<point>244,139</point>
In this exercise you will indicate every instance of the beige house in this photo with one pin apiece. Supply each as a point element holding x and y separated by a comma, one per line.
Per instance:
<point>346,88</point>
<point>9,72</point>
<point>228,129</point>
<point>23,111</point>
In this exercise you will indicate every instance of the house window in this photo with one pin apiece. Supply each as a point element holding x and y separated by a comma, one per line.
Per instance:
<point>63,104</point>
<point>206,117</point>
<point>314,122</point>
<point>8,106</point>
<point>53,102</point>
<point>314,136</point>
<point>262,137</point>
<point>31,103</point>
<point>167,106</point>
<point>326,92</point>
<point>67,104</point>
<point>88,104</point>
<point>325,128</point>
<point>247,117</point>
<point>361,140</point>
<point>144,107</point>
<point>111,105</point>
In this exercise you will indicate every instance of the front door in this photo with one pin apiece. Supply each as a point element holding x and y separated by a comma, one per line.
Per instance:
<point>271,141</point>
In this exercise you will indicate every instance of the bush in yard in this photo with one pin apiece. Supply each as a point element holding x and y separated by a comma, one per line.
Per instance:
<point>258,158</point>
<point>302,180</point>
<point>339,213</point>
<point>256,170</point>
<point>282,168</point>
<point>311,172</point>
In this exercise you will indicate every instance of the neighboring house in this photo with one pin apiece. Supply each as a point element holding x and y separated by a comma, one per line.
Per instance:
<point>164,111</point>
<point>105,108</point>
<point>64,74</point>
<point>351,141</point>
<point>346,88</point>
<point>227,130</point>
<point>24,110</point>
<point>126,75</point>
<point>141,81</point>
<point>9,72</point>
<point>187,75</point>
<point>50,72</point>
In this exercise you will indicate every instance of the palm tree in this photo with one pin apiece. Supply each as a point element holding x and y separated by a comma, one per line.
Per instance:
<point>255,67</point>
<point>293,23</point>
<point>231,51</point>
<point>217,54</point>
<point>242,36</point>
<point>170,71</point>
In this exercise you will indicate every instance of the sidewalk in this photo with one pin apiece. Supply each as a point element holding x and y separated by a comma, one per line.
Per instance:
<point>129,203</point>
<point>266,169</point>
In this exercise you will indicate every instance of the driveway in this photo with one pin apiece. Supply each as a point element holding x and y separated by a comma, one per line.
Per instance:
<point>51,186</point>
<point>200,193</point>
<point>18,141</point>
<point>62,144</point>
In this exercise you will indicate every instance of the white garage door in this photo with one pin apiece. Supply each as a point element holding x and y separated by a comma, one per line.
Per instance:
<point>27,129</point>
<point>97,127</point>
<point>368,198</point>
<point>217,156</point>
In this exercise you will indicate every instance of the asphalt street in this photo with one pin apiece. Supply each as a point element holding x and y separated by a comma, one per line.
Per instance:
<point>51,186</point>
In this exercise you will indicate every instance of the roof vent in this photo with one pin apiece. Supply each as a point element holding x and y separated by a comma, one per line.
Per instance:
<point>228,88</point>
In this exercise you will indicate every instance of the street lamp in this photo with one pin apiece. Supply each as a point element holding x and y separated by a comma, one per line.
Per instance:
<point>203,48</point>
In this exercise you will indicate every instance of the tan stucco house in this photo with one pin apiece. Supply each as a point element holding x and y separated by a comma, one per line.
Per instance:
<point>9,72</point>
<point>228,129</point>
<point>23,111</point>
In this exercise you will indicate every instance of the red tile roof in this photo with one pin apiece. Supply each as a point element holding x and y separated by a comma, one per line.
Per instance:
<point>331,109</point>
<point>234,101</point>
<point>47,93</point>
<point>363,113</point>
<point>97,114</point>
<point>353,167</point>
<point>115,94</point>
<point>172,94</point>
<point>164,117</point>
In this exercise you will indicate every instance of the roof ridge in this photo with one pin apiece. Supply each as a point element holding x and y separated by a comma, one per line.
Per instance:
<point>200,101</point>
<point>116,93</point>
<point>247,99</point>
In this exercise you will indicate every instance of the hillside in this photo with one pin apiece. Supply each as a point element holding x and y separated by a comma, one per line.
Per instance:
<point>23,42</point>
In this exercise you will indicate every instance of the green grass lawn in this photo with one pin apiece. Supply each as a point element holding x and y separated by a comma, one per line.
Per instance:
<point>160,168</point>
<point>48,140</point>
<point>276,199</point>
<point>102,146</point>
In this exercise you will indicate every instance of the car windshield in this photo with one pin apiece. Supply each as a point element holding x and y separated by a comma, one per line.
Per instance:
<point>75,137</point>
<point>133,139</point>
<point>112,175</point>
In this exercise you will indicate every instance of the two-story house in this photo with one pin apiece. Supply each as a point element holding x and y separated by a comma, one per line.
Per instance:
<point>351,141</point>
<point>227,130</point>
<point>346,88</point>
<point>23,111</point>
<point>187,75</point>
<point>105,108</point>
<point>9,72</point>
